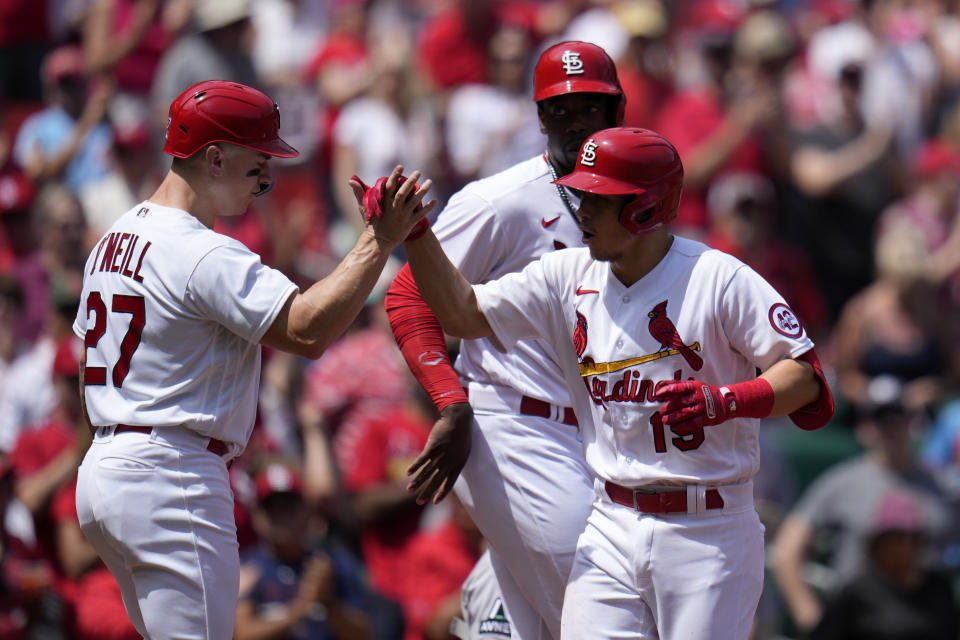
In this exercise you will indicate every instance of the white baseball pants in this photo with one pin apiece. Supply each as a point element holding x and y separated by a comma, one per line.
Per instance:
<point>667,577</point>
<point>159,510</point>
<point>527,487</point>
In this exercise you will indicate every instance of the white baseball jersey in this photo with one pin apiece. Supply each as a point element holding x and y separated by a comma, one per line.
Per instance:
<point>172,314</point>
<point>497,226</point>
<point>529,467</point>
<point>717,320</point>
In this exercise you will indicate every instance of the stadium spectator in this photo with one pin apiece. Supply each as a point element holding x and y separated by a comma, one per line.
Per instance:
<point>829,527</point>
<point>897,326</point>
<point>712,121</point>
<point>24,41</point>
<point>894,597</point>
<point>931,206</point>
<point>68,139</point>
<point>20,257</point>
<point>386,126</point>
<point>646,64</point>
<point>127,38</point>
<point>842,177</point>
<point>219,48</point>
<point>440,560</point>
<point>45,460</point>
<point>294,584</point>
<point>742,210</point>
<point>490,126</point>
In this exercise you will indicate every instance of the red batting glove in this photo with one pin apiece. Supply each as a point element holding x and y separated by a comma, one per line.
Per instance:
<point>373,204</point>
<point>697,404</point>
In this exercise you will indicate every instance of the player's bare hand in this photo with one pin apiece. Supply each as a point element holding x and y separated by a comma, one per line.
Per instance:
<point>394,205</point>
<point>436,469</point>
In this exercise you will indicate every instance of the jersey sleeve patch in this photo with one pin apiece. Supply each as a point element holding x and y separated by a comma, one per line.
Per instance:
<point>784,321</point>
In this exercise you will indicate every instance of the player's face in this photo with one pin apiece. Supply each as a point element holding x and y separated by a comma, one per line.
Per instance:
<point>568,120</point>
<point>245,172</point>
<point>599,218</point>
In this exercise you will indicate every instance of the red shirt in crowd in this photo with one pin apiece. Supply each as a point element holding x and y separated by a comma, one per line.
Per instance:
<point>440,560</point>
<point>687,119</point>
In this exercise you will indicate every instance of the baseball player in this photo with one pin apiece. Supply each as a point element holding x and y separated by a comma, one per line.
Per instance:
<point>659,340</point>
<point>173,316</point>
<point>525,483</point>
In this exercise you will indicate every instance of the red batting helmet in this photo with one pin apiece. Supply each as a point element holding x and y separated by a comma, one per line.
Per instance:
<point>577,67</point>
<point>631,161</point>
<point>223,111</point>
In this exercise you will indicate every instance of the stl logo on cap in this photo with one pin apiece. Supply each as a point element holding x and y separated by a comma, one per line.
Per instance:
<point>572,63</point>
<point>589,154</point>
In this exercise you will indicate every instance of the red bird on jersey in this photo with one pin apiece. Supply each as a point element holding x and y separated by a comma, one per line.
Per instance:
<point>580,335</point>
<point>661,328</point>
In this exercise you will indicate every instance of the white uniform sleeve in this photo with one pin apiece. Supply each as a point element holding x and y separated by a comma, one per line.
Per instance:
<point>231,286</point>
<point>757,321</point>
<point>521,305</point>
<point>471,235</point>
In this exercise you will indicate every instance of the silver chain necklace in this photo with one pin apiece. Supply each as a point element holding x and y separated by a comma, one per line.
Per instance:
<point>561,190</point>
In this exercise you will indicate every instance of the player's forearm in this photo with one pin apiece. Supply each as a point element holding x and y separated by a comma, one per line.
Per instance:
<point>36,490</point>
<point>448,293</point>
<point>321,314</point>
<point>794,385</point>
<point>788,553</point>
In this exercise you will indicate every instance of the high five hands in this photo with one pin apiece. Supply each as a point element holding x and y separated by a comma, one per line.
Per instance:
<point>394,206</point>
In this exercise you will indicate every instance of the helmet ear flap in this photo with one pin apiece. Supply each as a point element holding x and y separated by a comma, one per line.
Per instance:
<point>640,216</point>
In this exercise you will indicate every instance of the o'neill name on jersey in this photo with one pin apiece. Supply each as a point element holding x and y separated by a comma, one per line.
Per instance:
<point>117,253</point>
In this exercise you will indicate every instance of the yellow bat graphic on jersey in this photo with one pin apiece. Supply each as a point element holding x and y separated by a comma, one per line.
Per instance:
<point>598,368</point>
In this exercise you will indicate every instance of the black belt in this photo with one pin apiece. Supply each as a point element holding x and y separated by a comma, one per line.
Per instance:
<point>661,502</point>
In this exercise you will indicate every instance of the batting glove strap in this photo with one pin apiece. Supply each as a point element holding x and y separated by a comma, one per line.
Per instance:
<point>701,404</point>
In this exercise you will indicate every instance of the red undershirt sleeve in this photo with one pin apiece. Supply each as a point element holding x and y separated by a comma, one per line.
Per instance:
<point>420,337</point>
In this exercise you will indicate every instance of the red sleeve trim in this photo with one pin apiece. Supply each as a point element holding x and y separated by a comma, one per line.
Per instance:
<point>818,413</point>
<point>420,337</point>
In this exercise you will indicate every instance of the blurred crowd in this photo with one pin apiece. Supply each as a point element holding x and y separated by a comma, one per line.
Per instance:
<point>821,144</point>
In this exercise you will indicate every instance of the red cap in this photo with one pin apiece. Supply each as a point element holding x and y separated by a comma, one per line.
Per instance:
<point>934,157</point>
<point>277,478</point>
<point>898,511</point>
<point>66,362</point>
<point>16,192</point>
<point>64,62</point>
<point>223,111</point>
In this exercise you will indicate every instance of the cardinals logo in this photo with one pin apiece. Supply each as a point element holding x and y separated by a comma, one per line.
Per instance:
<point>580,335</point>
<point>663,329</point>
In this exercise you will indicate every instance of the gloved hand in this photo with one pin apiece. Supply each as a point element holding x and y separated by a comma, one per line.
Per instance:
<point>694,403</point>
<point>373,204</point>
